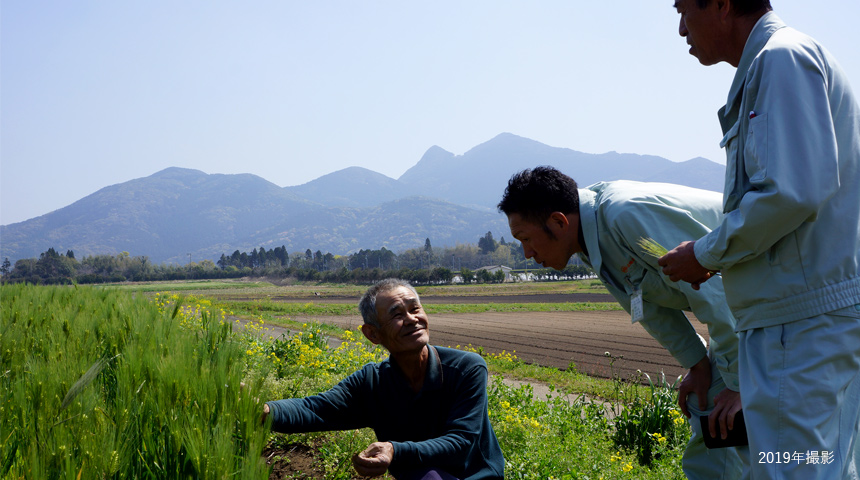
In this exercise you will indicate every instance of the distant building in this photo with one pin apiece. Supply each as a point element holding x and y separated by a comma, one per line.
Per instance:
<point>492,269</point>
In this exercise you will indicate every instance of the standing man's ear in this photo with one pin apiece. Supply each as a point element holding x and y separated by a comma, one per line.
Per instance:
<point>371,333</point>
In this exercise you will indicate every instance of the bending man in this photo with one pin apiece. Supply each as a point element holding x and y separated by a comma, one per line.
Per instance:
<point>603,224</point>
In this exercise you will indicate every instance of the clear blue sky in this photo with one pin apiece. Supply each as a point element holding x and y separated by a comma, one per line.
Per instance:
<point>94,93</point>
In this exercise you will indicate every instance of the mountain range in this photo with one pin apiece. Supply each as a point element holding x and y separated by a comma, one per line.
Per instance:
<point>178,213</point>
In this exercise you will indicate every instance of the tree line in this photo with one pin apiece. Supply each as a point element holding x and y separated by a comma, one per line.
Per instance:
<point>425,265</point>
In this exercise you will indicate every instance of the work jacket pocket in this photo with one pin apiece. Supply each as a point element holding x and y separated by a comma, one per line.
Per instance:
<point>755,150</point>
<point>732,191</point>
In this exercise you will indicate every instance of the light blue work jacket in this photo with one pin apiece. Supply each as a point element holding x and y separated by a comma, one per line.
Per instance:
<point>789,245</point>
<point>614,217</point>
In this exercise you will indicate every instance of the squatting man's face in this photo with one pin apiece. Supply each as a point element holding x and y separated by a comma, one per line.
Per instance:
<point>403,322</point>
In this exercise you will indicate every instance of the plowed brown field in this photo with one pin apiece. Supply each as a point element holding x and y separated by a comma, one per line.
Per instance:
<point>551,338</point>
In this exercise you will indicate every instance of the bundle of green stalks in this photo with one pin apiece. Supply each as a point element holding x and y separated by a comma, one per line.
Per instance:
<point>651,247</point>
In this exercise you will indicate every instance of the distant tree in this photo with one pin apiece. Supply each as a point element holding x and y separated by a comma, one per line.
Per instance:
<point>467,275</point>
<point>486,243</point>
<point>262,257</point>
<point>427,247</point>
<point>70,254</point>
<point>441,275</point>
<point>5,268</point>
<point>282,256</point>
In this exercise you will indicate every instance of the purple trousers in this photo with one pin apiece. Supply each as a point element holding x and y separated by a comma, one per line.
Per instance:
<point>429,474</point>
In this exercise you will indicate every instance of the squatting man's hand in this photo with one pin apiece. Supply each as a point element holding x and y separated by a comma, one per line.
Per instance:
<point>374,460</point>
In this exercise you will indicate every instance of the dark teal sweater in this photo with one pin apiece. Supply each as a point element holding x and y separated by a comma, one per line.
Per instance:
<point>444,426</point>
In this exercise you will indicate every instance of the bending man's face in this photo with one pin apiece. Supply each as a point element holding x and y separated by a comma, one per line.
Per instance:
<point>547,250</point>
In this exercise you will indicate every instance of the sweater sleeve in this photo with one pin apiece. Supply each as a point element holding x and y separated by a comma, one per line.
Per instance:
<point>462,427</point>
<point>336,409</point>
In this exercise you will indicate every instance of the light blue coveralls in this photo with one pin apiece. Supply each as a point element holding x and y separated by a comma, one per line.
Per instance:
<point>614,217</point>
<point>789,250</point>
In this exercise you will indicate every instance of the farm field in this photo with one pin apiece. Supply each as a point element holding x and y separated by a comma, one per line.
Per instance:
<point>553,339</point>
<point>538,336</point>
<point>132,401</point>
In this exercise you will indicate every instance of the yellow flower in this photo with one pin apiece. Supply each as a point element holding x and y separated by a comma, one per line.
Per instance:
<point>627,467</point>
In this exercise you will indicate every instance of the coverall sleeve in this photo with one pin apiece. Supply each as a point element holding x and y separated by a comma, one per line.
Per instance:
<point>462,427</point>
<point>670,327</point>
<point>670,225</point>
<point>790,156</point>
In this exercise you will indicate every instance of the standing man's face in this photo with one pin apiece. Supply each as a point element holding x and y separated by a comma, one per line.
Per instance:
<point>702,29</point>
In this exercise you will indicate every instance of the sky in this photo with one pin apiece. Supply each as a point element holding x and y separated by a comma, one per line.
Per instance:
<point>96,93</point>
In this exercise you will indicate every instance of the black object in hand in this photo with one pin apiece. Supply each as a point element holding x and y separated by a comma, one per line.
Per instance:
<point>737,436</point>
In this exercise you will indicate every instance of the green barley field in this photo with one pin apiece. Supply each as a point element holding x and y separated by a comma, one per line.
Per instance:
<point>157,382</point>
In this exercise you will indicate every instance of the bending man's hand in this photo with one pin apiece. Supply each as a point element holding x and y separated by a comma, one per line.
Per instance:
<point>726,404</point>
<point>698,381</point>
<point>681,264</point>
<point>374,460</point>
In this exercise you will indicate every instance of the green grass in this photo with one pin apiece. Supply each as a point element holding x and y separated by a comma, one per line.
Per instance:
<point>98,383</point>
<point>565,435</point>
<point>191,286</point>
<point>238,290</point>
<point>102,383</point>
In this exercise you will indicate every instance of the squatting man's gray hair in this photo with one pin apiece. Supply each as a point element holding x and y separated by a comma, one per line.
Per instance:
<point>367,305</point>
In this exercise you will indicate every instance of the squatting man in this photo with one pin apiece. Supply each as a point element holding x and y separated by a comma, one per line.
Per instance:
<point>603,224</point>
<point>426,404</point>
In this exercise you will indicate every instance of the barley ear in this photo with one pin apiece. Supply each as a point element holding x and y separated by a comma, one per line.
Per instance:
<point>85,380</point>
<point>651,247</point>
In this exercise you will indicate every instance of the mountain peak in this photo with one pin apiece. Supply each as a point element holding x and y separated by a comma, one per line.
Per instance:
<point>178,172</point>
<point>434,158</point>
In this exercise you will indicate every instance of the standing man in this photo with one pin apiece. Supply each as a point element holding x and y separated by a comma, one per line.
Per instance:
<point>789,245</point>
<point>427,405</point>
<point>603,224</point>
